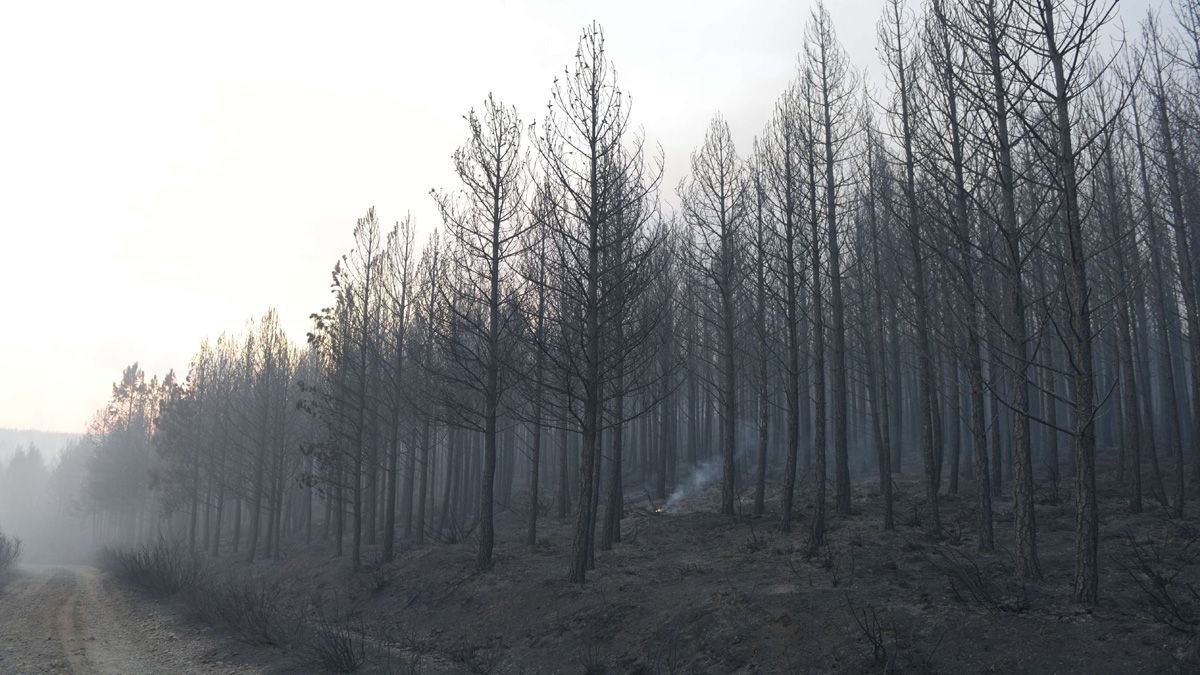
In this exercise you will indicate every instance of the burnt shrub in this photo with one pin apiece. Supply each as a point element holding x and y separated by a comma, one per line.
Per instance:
<point>10,552</point>
<point>251,608</point>
<point>336,641</point>
<point>161,568</point>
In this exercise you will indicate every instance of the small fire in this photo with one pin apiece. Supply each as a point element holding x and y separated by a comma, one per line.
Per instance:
<point>658,509</point>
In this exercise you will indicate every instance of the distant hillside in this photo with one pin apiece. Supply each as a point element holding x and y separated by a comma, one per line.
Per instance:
<point>50,443</point>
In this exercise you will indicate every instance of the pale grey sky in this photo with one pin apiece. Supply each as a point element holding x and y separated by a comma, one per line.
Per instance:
<point>169,170</point>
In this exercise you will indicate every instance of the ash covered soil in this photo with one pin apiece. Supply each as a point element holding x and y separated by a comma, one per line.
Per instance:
<point>695,592</point>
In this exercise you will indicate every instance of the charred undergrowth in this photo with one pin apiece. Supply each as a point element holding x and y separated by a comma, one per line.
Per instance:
<point>252,608</point>
<point>10,553</point>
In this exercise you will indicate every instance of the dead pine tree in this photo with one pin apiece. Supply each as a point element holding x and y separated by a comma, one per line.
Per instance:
<point>1156,79</point>
<point>876,175</point>
<point>833,84</point>
<point>533,269</point>
<point>587,125</point>
<point>399,257</point>
<point>714,203</point>
<point>898,50</point>
<point>817,351</point>
<point>1061,36</point>
<point>484,224</point>
<point>947,160</point>
<point>778,155</point>
<point>761,261</point>
<point>631,264</point>
<point>986,30</point>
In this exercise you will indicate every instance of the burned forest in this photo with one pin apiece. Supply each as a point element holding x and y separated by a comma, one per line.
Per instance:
<point>907,379</point>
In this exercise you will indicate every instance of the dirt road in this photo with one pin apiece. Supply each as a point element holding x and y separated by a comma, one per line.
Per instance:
<point>73,619</point>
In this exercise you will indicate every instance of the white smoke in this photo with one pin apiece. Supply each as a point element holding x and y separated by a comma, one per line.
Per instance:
<point>700,477</point>
<point>711,470</point>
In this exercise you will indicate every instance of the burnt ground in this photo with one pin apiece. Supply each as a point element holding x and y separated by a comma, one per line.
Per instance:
<point>695,592</point>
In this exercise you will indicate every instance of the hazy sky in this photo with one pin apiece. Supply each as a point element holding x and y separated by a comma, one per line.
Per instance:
<point>169,170</point>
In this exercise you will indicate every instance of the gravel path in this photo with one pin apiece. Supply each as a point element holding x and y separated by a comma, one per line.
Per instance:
<point>73,619</point>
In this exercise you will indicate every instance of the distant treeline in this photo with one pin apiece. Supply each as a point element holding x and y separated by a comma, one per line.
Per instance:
<point>50,443</point>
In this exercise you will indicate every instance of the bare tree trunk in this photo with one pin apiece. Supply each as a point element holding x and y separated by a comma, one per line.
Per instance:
<point>564,486</point>
<point>1162,311</point>
<point>817,532</point>
<point>1183,256</point>
<point>1086,578</point>
<point>877,380</point>
<point>925,376</point>
<point>760,322</point>
<point>729,401</point>
<point>611,532</point>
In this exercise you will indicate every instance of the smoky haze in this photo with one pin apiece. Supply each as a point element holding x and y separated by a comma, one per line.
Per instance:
<point>179,132</point>
<point>213,158</point>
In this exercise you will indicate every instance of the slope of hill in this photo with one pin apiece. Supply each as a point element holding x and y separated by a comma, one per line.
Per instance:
<point>691,591</point>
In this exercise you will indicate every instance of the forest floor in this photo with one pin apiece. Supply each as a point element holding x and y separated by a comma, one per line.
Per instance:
<point>694,592</point>
<point>74,619</point>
